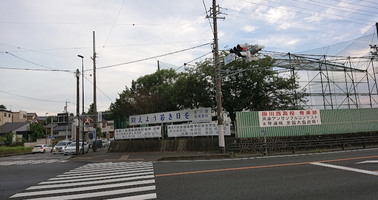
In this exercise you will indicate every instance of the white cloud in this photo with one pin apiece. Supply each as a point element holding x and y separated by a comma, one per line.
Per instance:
<point>53,33</point>
<point>249,29</point>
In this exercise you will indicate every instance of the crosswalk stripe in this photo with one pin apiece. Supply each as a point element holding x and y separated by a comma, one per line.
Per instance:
<point>133,182</point>
<point>33,162</point>
<point>100,171</point>
<point>94,177</point>
<point>82,189</point>
<point>137,197</point>
<point>90,183</point>
<point>98,194</point>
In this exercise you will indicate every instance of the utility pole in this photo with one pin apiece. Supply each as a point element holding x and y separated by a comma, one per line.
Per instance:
<point>214,13</point>
<point>82,104</point>
<point>94,94</point>
<point>65,108</point>
<point>77,111</point>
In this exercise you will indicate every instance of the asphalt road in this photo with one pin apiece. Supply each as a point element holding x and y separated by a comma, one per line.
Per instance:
<point>19,172</point>
<point>280,177</point>
<point>336,175</point>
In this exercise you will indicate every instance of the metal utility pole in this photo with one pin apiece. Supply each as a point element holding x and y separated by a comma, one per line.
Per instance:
<point>77,111</point>
<point>218,79</point>
<point>82,100</point>
<point>94,94</point>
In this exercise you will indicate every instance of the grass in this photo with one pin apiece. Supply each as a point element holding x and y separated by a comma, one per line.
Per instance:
<point>15,150</point>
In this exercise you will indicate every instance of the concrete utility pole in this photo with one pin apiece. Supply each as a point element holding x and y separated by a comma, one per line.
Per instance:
<point>65,109</point>
<point>82,100</point>
<point>77,111</point>
<point>218,77</point>
<point>94,94</point>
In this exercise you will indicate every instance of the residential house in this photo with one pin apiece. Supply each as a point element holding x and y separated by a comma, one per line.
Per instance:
<point>19,130</point>
<point>31,116</point>
<point>19,116</point>
<point>5,116</point>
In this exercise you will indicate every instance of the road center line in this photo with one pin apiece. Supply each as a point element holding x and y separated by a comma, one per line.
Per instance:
<point>346,168</point>
<point>262,166</point>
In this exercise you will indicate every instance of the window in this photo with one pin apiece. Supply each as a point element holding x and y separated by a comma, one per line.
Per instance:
<point>5,114</point>
<point>9,115</point>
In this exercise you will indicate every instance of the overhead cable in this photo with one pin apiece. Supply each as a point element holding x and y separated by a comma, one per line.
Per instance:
<point>153,57</point>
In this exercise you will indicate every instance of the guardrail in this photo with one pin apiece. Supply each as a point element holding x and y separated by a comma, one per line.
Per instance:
<point>302,145</point>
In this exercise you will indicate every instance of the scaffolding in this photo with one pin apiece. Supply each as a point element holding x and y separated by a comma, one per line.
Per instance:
<point>345,80</point>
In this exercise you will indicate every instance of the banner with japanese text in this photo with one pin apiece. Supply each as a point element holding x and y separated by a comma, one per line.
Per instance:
<point>289,118</point>
<point>195,115</point>
<point>137,133</point>
<point>202,129</point>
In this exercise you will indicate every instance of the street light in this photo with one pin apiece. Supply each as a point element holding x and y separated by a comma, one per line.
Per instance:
<point>82,96</point>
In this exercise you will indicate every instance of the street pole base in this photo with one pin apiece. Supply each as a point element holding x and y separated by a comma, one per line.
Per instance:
<point>222,150</point>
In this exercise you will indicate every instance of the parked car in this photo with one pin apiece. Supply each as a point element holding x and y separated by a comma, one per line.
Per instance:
<point>71,149</point>
<point>41,148</point>
<point>99,143</point>
<point>60,146</point>
<point>105,143</point>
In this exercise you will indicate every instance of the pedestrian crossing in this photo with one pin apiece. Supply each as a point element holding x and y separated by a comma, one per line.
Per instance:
<point>24,162</point>
<point>122,180</point>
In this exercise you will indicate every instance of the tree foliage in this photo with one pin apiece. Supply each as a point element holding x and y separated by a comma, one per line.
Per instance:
<point>3,107</point>
<point>7,139</point>
<point>37,131</point>
<point>245,86</point>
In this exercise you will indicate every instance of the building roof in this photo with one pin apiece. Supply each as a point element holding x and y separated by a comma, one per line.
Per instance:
<point>63,128</point>
<point>9,127</point>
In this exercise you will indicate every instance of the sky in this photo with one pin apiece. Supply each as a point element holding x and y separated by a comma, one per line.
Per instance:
<point>40,41</point>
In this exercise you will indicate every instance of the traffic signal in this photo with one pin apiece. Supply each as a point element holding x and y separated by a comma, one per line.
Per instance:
<point>255,48</point>
<point>240,50</point>
<point>86,123</point>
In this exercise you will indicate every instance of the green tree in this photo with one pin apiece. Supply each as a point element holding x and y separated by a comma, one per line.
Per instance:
<point>194,89</point>
<point>124,105</point>
<point>256,86</point>
<point>98,132</point>
<point>3,107</point>
<point>90,110</point>
<point>8,139</point>
<point>37,131</point>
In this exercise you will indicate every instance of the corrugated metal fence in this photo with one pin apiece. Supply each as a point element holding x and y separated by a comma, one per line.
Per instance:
<point>333,121</point>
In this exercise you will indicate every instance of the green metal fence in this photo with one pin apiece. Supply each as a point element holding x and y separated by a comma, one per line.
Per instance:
<point>332,122</point>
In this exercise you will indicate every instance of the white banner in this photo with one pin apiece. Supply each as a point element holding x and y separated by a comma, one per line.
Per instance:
<point>289,118</point>
<point>203,129</point>
<point>136,133</point>
<point>195,115</point>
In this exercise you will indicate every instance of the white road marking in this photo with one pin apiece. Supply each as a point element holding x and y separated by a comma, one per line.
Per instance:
<point>346,168</point>
<point>135,181</point>
<point>98,194</point>
<point>368,162</point>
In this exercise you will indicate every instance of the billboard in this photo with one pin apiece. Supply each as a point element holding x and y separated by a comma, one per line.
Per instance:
<point>195,115</point>
<point>138,133</point>
<point>202,129</point>
<point>289,118</point>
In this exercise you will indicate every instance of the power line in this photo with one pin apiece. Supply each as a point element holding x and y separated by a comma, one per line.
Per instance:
<point>193,60</point>
<point>32,98</point>
<point>48,70</point>
<point>111,29</point>
<point>153,57</point>
<point>99,89</point>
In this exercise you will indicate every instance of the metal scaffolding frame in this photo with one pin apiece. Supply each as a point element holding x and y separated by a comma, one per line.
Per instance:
<point>356,89</point>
